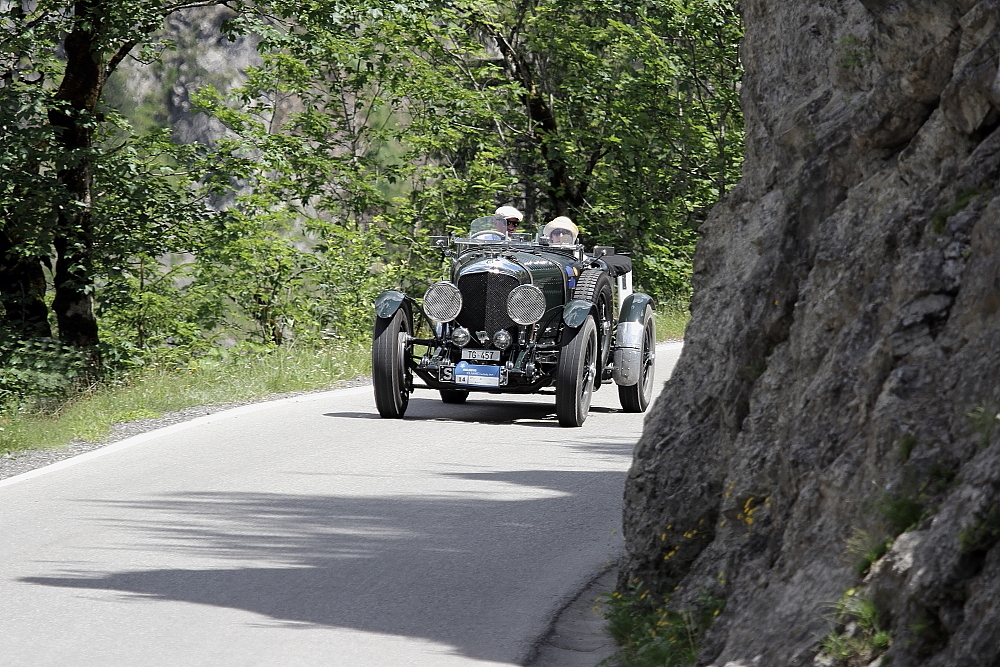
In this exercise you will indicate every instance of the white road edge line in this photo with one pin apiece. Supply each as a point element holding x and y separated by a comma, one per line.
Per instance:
<point>174,428</point>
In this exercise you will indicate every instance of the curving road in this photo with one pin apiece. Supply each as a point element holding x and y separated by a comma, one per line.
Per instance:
<point>308,531</point>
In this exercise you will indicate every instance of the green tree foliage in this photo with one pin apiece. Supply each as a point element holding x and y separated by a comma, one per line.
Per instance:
<point>631,122</point>
<point>366,127</point>
<point>76,207</point>
<point>62,188</point>
<point>55,58</point>
<point>421,115</point>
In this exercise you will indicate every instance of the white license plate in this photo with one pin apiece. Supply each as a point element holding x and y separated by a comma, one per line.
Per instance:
<point>481,355</point>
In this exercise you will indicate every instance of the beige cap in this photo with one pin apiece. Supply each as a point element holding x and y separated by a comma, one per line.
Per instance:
<point>562,222</point>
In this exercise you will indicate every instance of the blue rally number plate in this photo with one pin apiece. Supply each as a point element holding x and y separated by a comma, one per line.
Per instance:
<point>476,375</point>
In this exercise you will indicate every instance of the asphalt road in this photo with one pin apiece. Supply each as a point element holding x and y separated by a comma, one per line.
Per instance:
<point>308,531</point>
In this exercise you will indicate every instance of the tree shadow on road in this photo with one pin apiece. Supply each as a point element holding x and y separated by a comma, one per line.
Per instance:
<point>386,564</point>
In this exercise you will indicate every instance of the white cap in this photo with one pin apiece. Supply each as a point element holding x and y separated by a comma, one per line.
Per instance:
<point>509,212</point>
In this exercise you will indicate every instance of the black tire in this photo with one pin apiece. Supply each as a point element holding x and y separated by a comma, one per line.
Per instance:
<point>594,285</point>
<point>390,374</point>
<point>454,395</point>
<point>636,398</point>
<point>574,375</point>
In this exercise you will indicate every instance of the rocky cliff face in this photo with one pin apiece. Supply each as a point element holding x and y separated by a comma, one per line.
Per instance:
<point>840,381</point>
<point>159,93</point>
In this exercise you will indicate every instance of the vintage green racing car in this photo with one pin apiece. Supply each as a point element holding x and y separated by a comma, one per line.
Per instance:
<point>518,314</point>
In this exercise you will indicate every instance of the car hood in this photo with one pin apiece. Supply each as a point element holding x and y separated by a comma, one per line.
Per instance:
<point>486,277</point>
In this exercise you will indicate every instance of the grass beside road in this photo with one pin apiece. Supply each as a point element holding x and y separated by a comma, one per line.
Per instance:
<point>671,318</point>
<point>226,378</point>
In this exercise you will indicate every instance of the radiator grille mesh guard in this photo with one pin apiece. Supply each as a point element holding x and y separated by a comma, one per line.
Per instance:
<point>526,304</point>
<point>484,301</point>
<point>442,302</point>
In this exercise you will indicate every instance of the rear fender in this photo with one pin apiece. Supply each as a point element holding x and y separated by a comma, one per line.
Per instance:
<point>628,340</point>
<point>634,306</point>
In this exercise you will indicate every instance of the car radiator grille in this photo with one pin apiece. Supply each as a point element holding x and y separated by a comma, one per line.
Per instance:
<point>484,301</point>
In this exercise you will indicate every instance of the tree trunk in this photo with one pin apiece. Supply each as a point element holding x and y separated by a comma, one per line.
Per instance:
<point>22,295</point>
<point>74,119</point>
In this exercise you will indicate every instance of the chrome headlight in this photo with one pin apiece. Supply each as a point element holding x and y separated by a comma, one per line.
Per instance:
<point>442,302</point>
<point>461,336</point>
<point>526,304</point>
<point>502,339</point>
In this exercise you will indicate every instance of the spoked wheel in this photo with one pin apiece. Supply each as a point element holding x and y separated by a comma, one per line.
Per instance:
<point>575,375</point>
<point>635,398</point>
<point>594,285</point>
<point>454,395</point>
<point>391,377</point>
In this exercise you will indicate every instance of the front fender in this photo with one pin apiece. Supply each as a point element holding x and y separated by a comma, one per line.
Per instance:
<point>388,302</point>
<point>575,312</point>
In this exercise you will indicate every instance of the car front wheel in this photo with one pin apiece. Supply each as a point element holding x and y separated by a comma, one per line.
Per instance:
<point>575,375</point>
<point>390,349</point>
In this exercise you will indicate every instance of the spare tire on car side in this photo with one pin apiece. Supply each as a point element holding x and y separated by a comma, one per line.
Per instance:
<point>594,285</point>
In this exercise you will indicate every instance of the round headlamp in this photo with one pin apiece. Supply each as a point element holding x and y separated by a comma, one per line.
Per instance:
<point>461,336</point>
<point>502,339</point>
<point>526,304</point>
<point>442,302</point>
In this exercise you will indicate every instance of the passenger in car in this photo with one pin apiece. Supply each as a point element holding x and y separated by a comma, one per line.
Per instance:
<point>561,231</point>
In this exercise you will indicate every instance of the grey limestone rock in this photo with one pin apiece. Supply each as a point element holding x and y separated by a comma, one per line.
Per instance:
<point>841,371</point>
<point>201,55</point>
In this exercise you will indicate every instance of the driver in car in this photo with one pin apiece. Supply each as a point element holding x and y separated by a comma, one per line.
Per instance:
<point>561,231</point>
<point>507,219</point>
